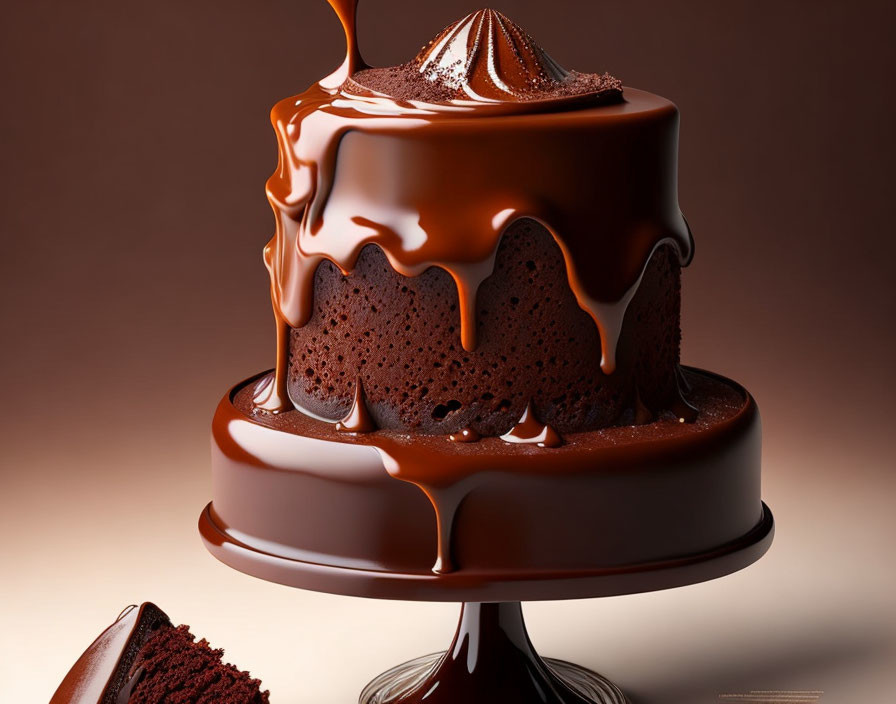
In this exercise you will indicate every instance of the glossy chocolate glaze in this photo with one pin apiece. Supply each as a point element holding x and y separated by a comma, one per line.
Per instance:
<point>103,671</point>
<point>356,170</point>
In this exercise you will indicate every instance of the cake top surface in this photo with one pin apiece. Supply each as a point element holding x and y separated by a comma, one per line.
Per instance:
<point>485,59</point>
<point>718,400</point>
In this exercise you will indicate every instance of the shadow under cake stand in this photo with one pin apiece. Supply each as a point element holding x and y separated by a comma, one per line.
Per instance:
<point>491,658</point>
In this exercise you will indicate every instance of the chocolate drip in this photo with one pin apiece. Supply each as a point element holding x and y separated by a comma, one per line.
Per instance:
<point>270,393</point>
<point>358,419</point>
<point>445,502</point>
<point>347,11</point>
<point>466,435</point>
<point>683,409</point>
<point>445,490</point>
<point>530,431</point>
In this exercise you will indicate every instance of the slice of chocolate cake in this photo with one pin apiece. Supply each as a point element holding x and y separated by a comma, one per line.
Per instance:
<point>142,658</point>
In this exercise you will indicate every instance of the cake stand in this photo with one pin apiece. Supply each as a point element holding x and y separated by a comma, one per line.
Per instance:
<point>491,658</point>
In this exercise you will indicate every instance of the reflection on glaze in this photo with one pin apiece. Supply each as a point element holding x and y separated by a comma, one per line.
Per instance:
<point>465,435</point>
<point>124,694</point>
<point>530,431</point>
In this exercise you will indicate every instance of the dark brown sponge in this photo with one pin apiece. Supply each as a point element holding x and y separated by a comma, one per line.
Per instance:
<point>179,670</point>
<point>401,337</point>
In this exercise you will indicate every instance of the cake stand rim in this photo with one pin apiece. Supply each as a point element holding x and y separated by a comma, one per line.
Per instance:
<point>486,586</point>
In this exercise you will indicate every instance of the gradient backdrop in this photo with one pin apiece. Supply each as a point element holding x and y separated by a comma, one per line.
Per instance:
<point>135,147</point>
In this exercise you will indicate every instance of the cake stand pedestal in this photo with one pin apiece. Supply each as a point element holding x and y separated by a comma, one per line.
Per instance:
<point>491,660</point>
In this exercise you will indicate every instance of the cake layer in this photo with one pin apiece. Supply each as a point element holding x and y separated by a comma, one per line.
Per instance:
<point>399,336</point>
<point>621,498</point>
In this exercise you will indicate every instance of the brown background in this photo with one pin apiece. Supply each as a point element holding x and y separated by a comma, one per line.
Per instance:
<point>135,147</point>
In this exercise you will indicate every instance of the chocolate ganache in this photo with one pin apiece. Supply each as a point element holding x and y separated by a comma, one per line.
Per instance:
<point>403,196</point>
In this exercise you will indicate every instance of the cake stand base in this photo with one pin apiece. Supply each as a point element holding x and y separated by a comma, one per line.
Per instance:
<point>491,661</point>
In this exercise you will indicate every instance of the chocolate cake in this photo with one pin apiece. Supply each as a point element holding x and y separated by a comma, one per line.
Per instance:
<point>476,280</point>
<point>143,659</point>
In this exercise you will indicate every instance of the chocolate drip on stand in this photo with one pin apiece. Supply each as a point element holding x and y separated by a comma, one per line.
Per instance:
<point>490,660</point>
<point>347,11</point>
<point>445,493</point>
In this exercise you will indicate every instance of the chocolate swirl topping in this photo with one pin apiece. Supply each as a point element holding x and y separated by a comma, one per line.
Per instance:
<point>484,58</point>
